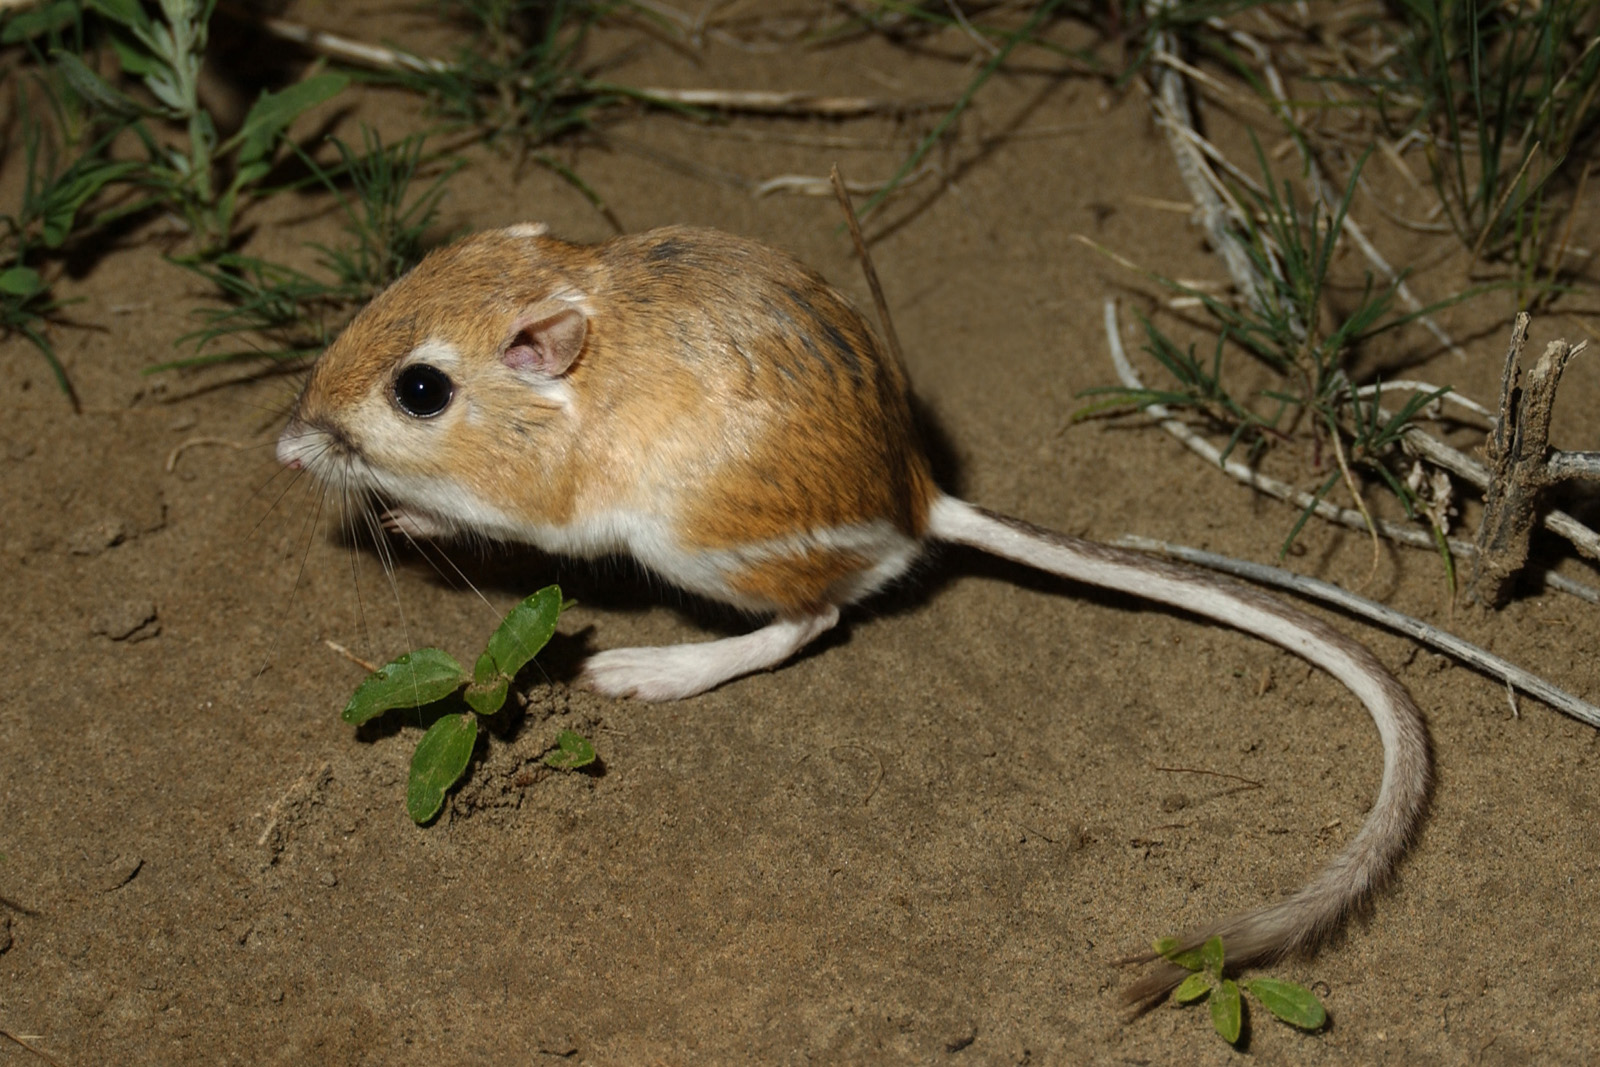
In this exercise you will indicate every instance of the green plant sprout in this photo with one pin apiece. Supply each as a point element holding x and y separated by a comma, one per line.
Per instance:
<point>53,198</point>
<point>48,20</point>
<point>1502,99</point>
<point>203,177</point>
<point>207,177</point>
<point>520,77</point>
<point>385,221</point>
<point>430,676</point>
<point>1506,95</point>
<point>995,61</point>
<point>1284,326</point>
<point>1289,1001</point>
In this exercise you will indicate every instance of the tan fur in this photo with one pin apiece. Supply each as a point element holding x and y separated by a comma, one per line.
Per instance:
<point>780,422</point>
<point>768,400</point>
<point>807,582</point>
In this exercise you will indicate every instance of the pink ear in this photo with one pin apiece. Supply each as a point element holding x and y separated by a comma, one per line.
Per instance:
<point>545,342</point>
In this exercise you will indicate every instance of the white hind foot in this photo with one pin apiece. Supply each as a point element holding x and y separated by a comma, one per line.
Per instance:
<point>672,672</point>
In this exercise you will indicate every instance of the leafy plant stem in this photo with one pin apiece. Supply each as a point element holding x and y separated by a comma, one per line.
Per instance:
<point>933,136</point>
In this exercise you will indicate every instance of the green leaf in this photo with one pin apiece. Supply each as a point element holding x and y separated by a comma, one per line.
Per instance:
<point>1289,1001</point>
<point>486,700</point>
<point>1167,947</point>
<point>94,89</point>
<point>48,19</point>
<point>21,281</point>
<point>1192,989</point>
<point>67,199</point>
<point>487,693</point>
<point>525,630</point>
<point>136,58</point>
<point>1227,1011</point>
<point>127,12</point>
<point>1211,958</point>
<point>250,173</point>
<point>573,751</point>
<point>441,757</point>
<point>415,679</point>
<point>273,113</point>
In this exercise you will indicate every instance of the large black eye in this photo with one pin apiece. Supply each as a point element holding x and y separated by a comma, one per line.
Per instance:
<point>423,391</point>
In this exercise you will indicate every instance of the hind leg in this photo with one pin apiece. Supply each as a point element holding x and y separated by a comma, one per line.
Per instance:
<point>672,672</point>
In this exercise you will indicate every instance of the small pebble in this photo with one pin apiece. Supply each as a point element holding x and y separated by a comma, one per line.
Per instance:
<point>95,538</point>
<point>120,871</point>
<point>558,1045</point>
<point>129,620</point>
<point>964,1036</point>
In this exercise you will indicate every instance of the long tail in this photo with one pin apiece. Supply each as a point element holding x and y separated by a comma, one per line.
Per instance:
<point>1305,918</point>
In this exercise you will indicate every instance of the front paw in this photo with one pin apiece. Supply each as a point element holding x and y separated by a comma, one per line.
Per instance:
<point>413,524</point>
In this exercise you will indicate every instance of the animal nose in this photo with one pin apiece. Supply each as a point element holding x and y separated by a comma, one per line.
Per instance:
<point>288,446</point>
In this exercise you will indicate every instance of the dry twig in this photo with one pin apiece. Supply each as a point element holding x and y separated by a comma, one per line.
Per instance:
<point>370,668</point>
<point>752,101</point>
<point>194,442</point>
<point>1520,471</point>
<point>1263,483</point>
<point>811,185</point>
<point>1485,661</point>
<point>843,193</point>
<point>21,1041</point>
<point>1214,210</point>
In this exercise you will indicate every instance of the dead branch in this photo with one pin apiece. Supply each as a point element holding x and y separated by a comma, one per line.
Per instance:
<point>1324,509</point>
<point>865,256</point>
<point>1446,642</point>
<point>1218,217</point>
<point>1520,467</point>
<point>1247,475</point>
<point>760,102</point>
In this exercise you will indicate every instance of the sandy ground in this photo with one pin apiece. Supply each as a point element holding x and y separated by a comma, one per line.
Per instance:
<point>927,840</point>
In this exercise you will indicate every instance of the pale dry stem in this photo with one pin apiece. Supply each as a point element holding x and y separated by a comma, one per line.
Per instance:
<point>194,442</point>
<point>1326,510</point>
<point>1444,641</point>
<point>1194,157</point>
<point>1361,506</point>
<point>752,101</point>
<point>841,190</point>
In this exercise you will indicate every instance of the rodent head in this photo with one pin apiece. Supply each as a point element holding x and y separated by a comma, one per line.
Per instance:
<point>439,386</point>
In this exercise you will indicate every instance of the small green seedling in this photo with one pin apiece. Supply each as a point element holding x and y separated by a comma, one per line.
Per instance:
<point>1294,1004</point>
<point>189,166</point>
<point>386,219</point>
<point>572,751</point>
<point>429,676</point>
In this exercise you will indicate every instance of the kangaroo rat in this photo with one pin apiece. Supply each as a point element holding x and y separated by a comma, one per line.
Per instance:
<point>711,407</point>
